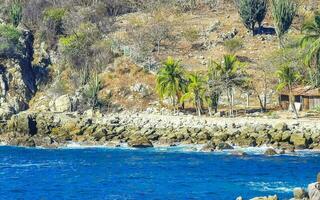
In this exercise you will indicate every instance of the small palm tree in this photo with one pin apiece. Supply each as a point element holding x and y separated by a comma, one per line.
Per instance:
<point>196,91</point>
<point>232,76</point>
<point>288,77</point>
<point>170,81</point>
<point>311,42</point>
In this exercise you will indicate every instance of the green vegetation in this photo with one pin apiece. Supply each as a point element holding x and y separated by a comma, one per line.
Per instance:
<point>15,14</point>
<point>283,13</point>
<point>9,36</point>
<point>92,90</point>
<point>288,78</point>
<point>311,42</point>
<point>252,12</point>
<point>231,76</point>
<point>195,91</point>
<point>171,82</point>
<point>233,45</point>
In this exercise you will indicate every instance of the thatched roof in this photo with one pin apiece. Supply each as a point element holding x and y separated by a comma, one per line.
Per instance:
<point>303,91</point>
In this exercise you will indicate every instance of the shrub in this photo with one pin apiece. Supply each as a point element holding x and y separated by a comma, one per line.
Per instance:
<point>191,34</point>
<point>283,12</point>
<point>233,45</point>
<point>252,12</point>
<point>91,93</point>
<point>9,37</point>
<point>15,14</point>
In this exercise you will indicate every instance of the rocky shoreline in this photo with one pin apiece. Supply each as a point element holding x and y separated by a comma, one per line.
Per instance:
<point>141,130</point>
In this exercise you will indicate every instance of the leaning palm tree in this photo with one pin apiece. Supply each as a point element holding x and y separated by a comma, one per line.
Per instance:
<point>288,77</point>
<point>311,42</point>
<point>232,76</point>
<point>195,91</point>
<point>170,81</point>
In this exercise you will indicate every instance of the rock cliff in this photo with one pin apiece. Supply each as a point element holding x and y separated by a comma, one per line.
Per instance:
<point>17,79</point>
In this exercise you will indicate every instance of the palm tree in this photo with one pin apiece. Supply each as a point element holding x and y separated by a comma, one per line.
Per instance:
<point>311,42</point>
<point>170,81</point>
<point>214,87</point>
<point>196,91</point>
<point>232,76</point>
<point>288,77</point>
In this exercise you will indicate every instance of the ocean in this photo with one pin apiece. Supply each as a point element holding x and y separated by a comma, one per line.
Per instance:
<point>156,173</point>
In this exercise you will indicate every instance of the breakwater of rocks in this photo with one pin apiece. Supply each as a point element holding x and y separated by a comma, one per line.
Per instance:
<point>143,130</point>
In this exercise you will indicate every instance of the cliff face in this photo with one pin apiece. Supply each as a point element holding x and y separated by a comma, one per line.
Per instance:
<point>17,79</point>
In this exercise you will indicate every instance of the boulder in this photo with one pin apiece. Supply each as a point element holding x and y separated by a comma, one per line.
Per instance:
<point>224,146</point>
<point>62,104</point>
<point>299,193</point>
<point>270,152</point>
<point>281,127</point>
<point>299,141</point>
<point>275,197</point>
<point>210,147</point>
<point>138,141</point>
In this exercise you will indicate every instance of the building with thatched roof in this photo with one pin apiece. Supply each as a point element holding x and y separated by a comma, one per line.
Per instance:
<point>305,98</point>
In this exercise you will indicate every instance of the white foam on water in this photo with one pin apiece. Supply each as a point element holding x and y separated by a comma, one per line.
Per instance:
<point>271,187</point>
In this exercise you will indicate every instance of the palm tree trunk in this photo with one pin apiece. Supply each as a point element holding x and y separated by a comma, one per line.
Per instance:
<point>291,102</point>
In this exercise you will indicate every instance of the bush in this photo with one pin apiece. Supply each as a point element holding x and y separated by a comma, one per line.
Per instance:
<point>9,41</point>
<point>15,14</point>
<point>252,12</point>
<point>92,90</point>
<point>191,34</point>
<point>233,45</point>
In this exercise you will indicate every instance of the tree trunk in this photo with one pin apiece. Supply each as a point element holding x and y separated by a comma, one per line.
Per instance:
<point>291,102</point>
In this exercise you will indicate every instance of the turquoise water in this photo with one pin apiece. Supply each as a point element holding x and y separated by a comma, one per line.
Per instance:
<point>101,173</point>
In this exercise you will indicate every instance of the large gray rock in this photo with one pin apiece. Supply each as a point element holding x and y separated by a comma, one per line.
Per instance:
<point>299,194</point>
<point>62,104</point>
<point>299,141</point>
<point>139,141</point>
<point>314,191</point>
<point>270,152</point>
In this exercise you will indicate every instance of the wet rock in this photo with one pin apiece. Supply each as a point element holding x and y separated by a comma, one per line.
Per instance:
<point>266,198</point>
<point>270,152</point>
<point>299,194</point>
<point>239,153</point>
<point>210,147</point>
<point>138,141</point>
<point>224,146</point>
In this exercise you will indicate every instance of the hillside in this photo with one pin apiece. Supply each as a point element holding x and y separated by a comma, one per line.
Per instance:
<point>106,54</point>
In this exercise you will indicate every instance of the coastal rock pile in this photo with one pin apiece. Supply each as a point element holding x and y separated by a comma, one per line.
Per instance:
<point>56,129</point>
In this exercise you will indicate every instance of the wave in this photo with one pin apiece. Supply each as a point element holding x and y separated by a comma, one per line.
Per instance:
<point>280,187</point>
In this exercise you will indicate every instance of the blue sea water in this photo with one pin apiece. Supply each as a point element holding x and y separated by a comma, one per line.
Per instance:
<point>102,173</point>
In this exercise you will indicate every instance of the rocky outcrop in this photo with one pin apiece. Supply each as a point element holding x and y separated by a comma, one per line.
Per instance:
<point>94,128</point>
<point>17,80</point>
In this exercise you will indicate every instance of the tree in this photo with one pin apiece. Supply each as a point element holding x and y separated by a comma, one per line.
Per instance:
<point>283,12</point>
<point>252,12</point>
<point>288,77</point>
<point>78,50</point>
<point>311,42</point>
<point>232,76</point>
<point>214,87</point>
<point>15,14</point>
<point>195,91</point>
<point>170,81</point>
